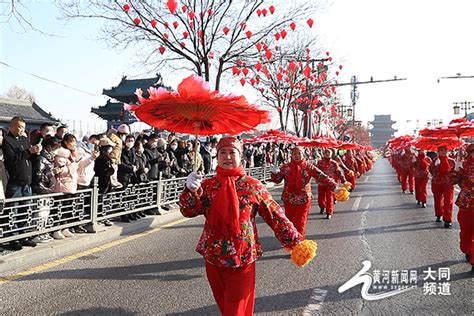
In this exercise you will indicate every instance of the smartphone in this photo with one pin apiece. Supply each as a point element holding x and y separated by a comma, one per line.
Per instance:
<point>39,141</point>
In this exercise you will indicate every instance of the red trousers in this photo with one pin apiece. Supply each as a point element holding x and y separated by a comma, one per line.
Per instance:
<point>298,215</point>
<point>443,200</point>
<point>326,198</point>
<point>421,189</point>
<point>466,234</point>
<point>352,180</point>
<point>408,181</point>
<point>233,289</point>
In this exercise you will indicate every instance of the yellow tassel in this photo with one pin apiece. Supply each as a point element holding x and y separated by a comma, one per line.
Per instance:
<point>304,252</point>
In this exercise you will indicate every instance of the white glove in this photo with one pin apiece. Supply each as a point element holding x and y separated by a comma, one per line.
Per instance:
<point>193,181</point>
<point>437,162</point>
<point>275,169</point>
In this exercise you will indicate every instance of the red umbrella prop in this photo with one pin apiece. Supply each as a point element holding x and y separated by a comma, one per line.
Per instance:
<point>400,140</point>
<point>321,142</point>
<point>432,143</point>
<point>273,136</point>
<point>457,128</point>
<point>348,146</point>
<point>195,109</point>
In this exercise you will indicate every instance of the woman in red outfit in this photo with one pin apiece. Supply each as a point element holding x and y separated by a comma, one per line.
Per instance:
<point>422,175</point>
<point>229,242</point>
<point>325,193</point>
<point>297,194</point>
<point>465,202</point>
<point>442,186</point>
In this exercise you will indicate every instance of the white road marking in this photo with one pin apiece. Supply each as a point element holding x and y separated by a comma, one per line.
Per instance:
<point>315,302</point>
<point>355,207</point>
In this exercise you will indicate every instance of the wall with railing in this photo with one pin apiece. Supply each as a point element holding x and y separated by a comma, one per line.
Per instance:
<point>38,214</point>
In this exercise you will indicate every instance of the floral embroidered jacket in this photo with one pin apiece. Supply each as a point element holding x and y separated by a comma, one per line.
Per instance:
<point>442,179</point>
<point>465,177</point>
<point>332,169</point>
<point>253,199</point>
<point>308,171</point>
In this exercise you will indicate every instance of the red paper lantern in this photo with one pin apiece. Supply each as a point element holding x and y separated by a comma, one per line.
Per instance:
<point>258,46</point>
<point>259,12</point>
<point>277,36</point>
<point>258,66</point>
<point>283,34</point>
<point>337,73</point>
<point>210,12</point>
<point>245,71</point>
<point>126,7</point>
<point>235,70</point>
<point>271,9</point>
<point>264,12</point>
<point>307,71</point>
<point>182,44</point>
<point>249,34</point>
<point>137,21</point>
<point>172,5</point>
<point>242,81</point>
<point>162,49</point>
<point>279,76</point>
<point>292,65</point>
<point>340,67</point>
<point>153,23</point>
<point>165,35</point>
<point>185,34</point>
<point>184,8</point>
<point>310,22</point>
<point>191,15</point>
<point>226,30</point>
<point>293,26</point>
<point>166,25</point>
<point>268,54</point>
<point>175,24</point>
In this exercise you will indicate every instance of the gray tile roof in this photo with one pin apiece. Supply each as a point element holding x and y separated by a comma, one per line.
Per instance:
<point>31,112</point>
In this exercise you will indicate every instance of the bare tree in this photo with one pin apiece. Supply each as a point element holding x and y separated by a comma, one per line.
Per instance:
<point>205,36</point>
<point>19,93</point>
<point>17,14</point>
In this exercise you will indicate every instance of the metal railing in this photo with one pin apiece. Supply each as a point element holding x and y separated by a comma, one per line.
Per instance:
<point>38,214</point>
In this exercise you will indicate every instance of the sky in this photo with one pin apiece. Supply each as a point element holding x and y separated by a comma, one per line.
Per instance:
<point>419,40</point>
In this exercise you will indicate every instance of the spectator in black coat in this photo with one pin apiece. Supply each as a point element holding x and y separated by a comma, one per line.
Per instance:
<point>127,166</point>
<point>103,165</point>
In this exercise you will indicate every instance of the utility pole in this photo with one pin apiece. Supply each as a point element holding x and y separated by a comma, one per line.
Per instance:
<point>355,93</point>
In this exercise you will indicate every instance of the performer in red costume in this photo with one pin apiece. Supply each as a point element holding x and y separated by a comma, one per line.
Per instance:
<point>422,175</point>
<point>325,193</point>
<point>465,202</point>
<point>297,194</point>
<point>351,164</point>
<point>229,242</point>
<point>407,173</point>
<point>442,186</point>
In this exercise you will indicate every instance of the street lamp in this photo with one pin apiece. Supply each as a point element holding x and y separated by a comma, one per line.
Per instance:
<point>462,106</point>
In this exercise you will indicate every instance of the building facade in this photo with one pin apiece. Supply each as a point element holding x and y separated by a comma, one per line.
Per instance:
<point>382,130</point>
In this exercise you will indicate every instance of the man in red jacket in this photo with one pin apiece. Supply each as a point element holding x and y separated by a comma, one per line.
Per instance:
<point>325,194</point>
<point>442,186</point>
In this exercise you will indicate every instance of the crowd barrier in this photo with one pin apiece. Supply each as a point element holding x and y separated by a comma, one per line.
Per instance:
<point>38,214</point>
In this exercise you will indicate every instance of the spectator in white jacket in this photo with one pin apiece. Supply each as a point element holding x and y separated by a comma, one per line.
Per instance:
<point>88,152</point>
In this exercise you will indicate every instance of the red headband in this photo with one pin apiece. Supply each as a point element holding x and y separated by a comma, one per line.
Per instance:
<point>230,142</point>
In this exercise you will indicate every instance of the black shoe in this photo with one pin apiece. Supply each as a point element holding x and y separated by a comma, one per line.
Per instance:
<point>107,223</point>
<point>125,219</point>
<point>15,245</point>
<point>28,243</point>
<point>321,210</point>
<point>418,202</point>
<point>80,230</point>
<point>423,205</point>
<point>438,219</point>
<point>448,225</point>
<point>329,216</point>
<point>411,192</point>
<point>166,208</point>
<point>403,191</point>
<point>468,257</point>
<point>89,228</point>
<point>132,217</point>
<point>141,214</point>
